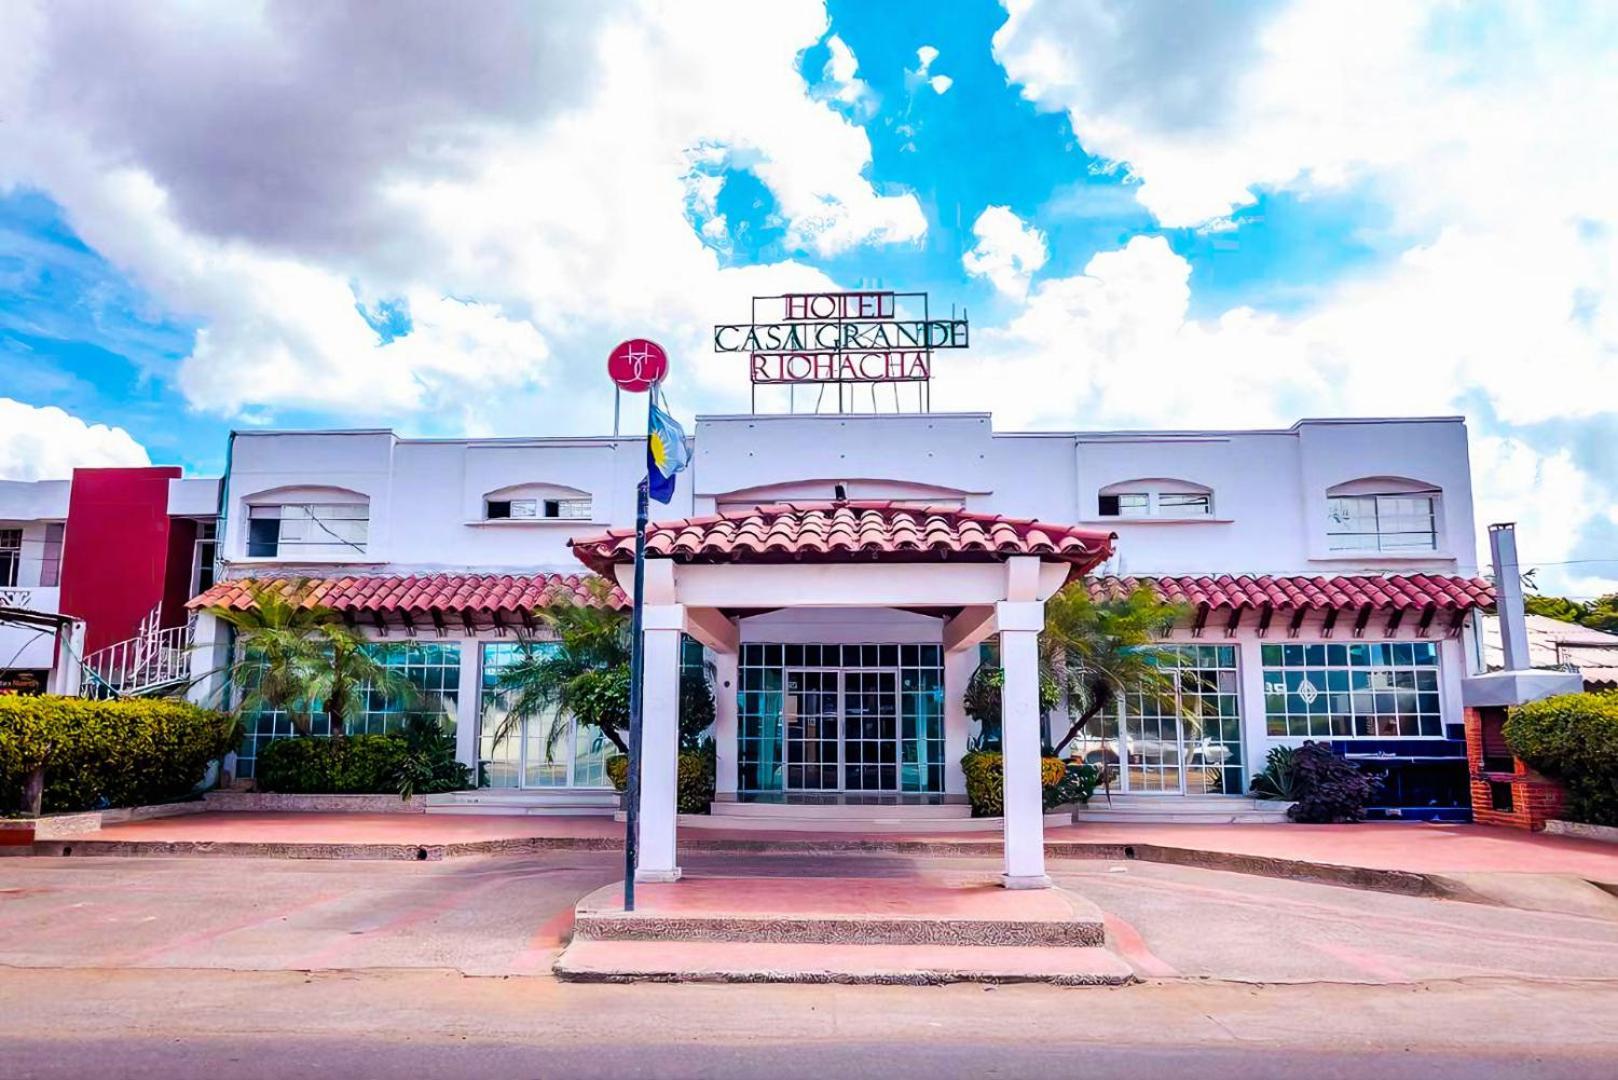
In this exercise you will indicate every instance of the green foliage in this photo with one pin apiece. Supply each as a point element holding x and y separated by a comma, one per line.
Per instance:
<point>298,657</point>
<point>696,779</point>
<point>1100,650</point>
<point>1329,789</point>
<point>1278,780</point>
<point>100,754</point>
<point>430,766</point>
<point>982,699</point>
<point>1573,738</point>
<point>420,760</point>
<point>584,675</point>
<point>1063,782</point>
<point>1598,614</point>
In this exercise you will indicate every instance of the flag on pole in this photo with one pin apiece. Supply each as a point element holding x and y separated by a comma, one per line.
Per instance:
<point>666,450</point>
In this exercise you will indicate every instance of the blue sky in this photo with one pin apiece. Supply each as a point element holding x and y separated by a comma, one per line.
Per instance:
<point>1221,221</point>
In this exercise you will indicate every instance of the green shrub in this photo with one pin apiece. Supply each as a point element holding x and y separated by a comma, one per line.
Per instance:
<point>99,754</point>
<point>696,779</point>
<point>1574,739</point>
<point>985,782</point>
<point>1278,780</point>
<point>1329,789</point>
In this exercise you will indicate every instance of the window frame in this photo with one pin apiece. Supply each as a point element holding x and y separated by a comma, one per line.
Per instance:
<point>1338,540</point>
<point>277,512</point>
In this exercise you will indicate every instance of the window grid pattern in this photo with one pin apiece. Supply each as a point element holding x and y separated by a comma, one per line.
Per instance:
<point>1353,691</point>
<point>10,556</point>
<point>522,755</point>
<point>1382,523</point>
<point>305,528</point>
<point>1194,742</point>
<point>916,691</point>
<point>434,669</point>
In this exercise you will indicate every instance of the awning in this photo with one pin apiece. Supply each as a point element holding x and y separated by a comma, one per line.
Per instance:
<point>468,599</point>
<point>849,532</point>
<point>1395,596</point>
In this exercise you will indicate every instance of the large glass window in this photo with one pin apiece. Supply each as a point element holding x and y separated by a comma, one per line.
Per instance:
<point>433,668</point>
<point>1393,523</point>
<point>50,560</point>
<point>524,754</point>
<point>1358,690</point>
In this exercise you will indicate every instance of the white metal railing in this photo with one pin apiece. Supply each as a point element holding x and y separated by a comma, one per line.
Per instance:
<point>139,665</point>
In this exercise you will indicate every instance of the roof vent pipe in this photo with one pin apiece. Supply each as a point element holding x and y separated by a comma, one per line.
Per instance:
<point>1508,597</point>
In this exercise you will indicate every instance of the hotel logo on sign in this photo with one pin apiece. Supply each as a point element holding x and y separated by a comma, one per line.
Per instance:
<point>846,337</point>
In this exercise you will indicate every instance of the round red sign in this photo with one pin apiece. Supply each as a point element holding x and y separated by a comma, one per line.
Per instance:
<point>637,365</point>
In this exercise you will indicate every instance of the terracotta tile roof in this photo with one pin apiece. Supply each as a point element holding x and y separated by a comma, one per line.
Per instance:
<point>417,594</point>
<point>1392,593</point>
<point>847,532</point>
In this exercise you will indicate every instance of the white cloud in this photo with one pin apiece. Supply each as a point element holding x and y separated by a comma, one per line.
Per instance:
<point>45,443</point>
<point>525,188</point>
<point>1008,251</point>
<point>923,72</point>
<point>1485,134</point>
<point>840,77</point>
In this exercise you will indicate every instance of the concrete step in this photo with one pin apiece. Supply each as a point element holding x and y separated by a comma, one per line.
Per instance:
<point>1129,817</point>
<point>877,822</point>
<point>842,811</point>
<point>590,960</point>
<point>561,802</point>
<point>868,912</point>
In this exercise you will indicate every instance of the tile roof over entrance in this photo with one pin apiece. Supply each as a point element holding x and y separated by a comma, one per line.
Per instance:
<point>849,532</point>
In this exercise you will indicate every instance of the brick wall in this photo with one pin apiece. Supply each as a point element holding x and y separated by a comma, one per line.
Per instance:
<point>1504,790</point>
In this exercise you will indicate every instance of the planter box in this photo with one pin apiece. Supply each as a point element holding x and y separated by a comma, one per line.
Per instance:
<point>17,836</point>
<point>67,826</point>
<point>264,802</point>
<point>1607,834</point>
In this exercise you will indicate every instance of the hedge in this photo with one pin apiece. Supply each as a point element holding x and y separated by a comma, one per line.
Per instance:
<point>1061,782</point>
<point>101,754</point>
<point>418,761</point>
<point>696,781</point>
<point>1573,738</point>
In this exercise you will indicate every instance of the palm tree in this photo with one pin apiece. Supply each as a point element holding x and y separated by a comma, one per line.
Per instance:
<point>583,674</point>
<point>1098,650</point>
<point>279,659</point>
<point>299,658</point>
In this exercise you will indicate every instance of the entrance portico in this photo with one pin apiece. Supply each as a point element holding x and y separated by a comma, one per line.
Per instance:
<point>973,575</point>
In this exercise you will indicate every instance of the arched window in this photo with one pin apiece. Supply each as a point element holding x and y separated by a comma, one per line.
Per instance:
<point>1391,514</point>
<point>898,492</point>
<point>307,523</point>
<point>1155,497</point>
<point>538,502</point>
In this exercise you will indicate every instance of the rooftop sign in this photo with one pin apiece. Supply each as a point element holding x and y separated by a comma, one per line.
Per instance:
<point>842,337</point>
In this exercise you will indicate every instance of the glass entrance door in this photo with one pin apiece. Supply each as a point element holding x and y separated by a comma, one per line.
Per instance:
<point>840,730</point>
<point>810,727</point>
<point>871,731</point>
<point>1188,743</point>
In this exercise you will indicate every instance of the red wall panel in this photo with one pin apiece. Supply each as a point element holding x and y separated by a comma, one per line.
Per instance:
<point>115,554</point>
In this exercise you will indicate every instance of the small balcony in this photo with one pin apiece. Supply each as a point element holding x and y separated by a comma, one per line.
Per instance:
<point>32,598</point>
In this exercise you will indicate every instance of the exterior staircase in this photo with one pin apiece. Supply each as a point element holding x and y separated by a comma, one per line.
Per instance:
<point>1134,809</point>
<point>534,802</point>
<point>153,662</point>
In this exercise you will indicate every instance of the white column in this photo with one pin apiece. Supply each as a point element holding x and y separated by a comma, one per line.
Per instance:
<point>958,668</point>
<point>469,705</point>
<point>660,744</point>
<point>724,725</point>
<point>1250,706</point>
<point>1024,822</point>
<point>67,672</point>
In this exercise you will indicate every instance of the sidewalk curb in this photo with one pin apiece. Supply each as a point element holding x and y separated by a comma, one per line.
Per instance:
<point>1404,882</point>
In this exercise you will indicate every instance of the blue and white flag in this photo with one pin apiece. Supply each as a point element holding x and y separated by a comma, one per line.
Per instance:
<point>666,450</point>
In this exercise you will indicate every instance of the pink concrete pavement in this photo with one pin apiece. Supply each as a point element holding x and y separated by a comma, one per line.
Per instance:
<point>1412,847</point>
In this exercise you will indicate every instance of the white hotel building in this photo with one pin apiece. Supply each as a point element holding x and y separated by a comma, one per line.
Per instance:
<point>843,571</point>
